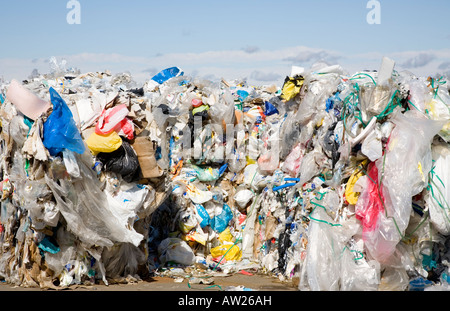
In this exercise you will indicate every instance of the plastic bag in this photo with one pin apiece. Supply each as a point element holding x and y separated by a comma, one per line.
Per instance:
<point>175,250</point>
<point>115,119</point>
<point>374,100</point>
<point>405,168</point>
<point>372,145</point>
<point>123,161</point>
<point>326,242</point>
<point>243,197</point>
<point>437,198</point>
<point>357,274</point>
<point>207,173</point>
<point>104,143</point>
<point>187,220</point>
<point>309,166</point>
<point>60,130</point>
<point>71,164</point>
<point>292,87</point>
<point>167,74</point>
<point>350,195</point>
<point>293,162</point>
<point>370,202</point>
<point>230,251</point>
<point>88,212</point>
<point>163,76</point>
<point>218,222</point>
<point>122,260</point>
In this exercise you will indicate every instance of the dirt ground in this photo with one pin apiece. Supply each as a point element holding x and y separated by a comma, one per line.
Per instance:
<point>222,283</point>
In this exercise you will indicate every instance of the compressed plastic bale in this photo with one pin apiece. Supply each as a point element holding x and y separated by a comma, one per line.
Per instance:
<point>60,131</point>
<point>25,101</point>
<point>307,122</point>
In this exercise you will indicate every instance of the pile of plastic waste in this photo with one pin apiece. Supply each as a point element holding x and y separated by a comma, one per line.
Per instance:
<point>337,181</point>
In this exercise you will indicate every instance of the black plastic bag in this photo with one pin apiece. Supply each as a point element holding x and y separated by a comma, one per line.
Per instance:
<point>123,161</point>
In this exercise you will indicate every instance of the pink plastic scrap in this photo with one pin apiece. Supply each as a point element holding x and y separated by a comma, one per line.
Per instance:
<point>115,119</point>
<point>25,101</point>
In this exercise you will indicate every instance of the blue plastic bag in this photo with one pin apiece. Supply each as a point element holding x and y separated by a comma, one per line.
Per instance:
<point>242,95</point>
<point>47,246</point>
<point>60,129</point>
<point>204,215</point>
<point>167,74</point>
<point>218,223</point>
<point>270,109</point>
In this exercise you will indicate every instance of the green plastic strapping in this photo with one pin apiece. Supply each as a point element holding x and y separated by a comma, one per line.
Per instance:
<point>361,255</point>
<point>393,103</point>
<point>209,287</point>
<point>363,74</point>
<point>431,189</point>
<point>320,220</point>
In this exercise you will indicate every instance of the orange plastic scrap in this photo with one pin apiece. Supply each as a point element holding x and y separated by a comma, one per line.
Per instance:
<point>177,169</point>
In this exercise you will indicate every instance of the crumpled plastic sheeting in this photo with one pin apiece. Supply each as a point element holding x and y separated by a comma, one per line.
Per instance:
<point>337,182</point>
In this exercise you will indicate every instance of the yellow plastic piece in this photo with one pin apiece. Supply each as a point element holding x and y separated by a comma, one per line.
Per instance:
<point>104,143</point>
<point>232,252</point>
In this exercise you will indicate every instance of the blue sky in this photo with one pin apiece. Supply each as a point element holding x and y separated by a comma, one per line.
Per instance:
<point>257,40</point>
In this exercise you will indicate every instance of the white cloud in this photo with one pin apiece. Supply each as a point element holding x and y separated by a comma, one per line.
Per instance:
<point>251,49</point>
<point>264,76</point>
<point>311,57</point>
<point>444,66</point>
<point>420,60</point>
<point>267,66</point>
